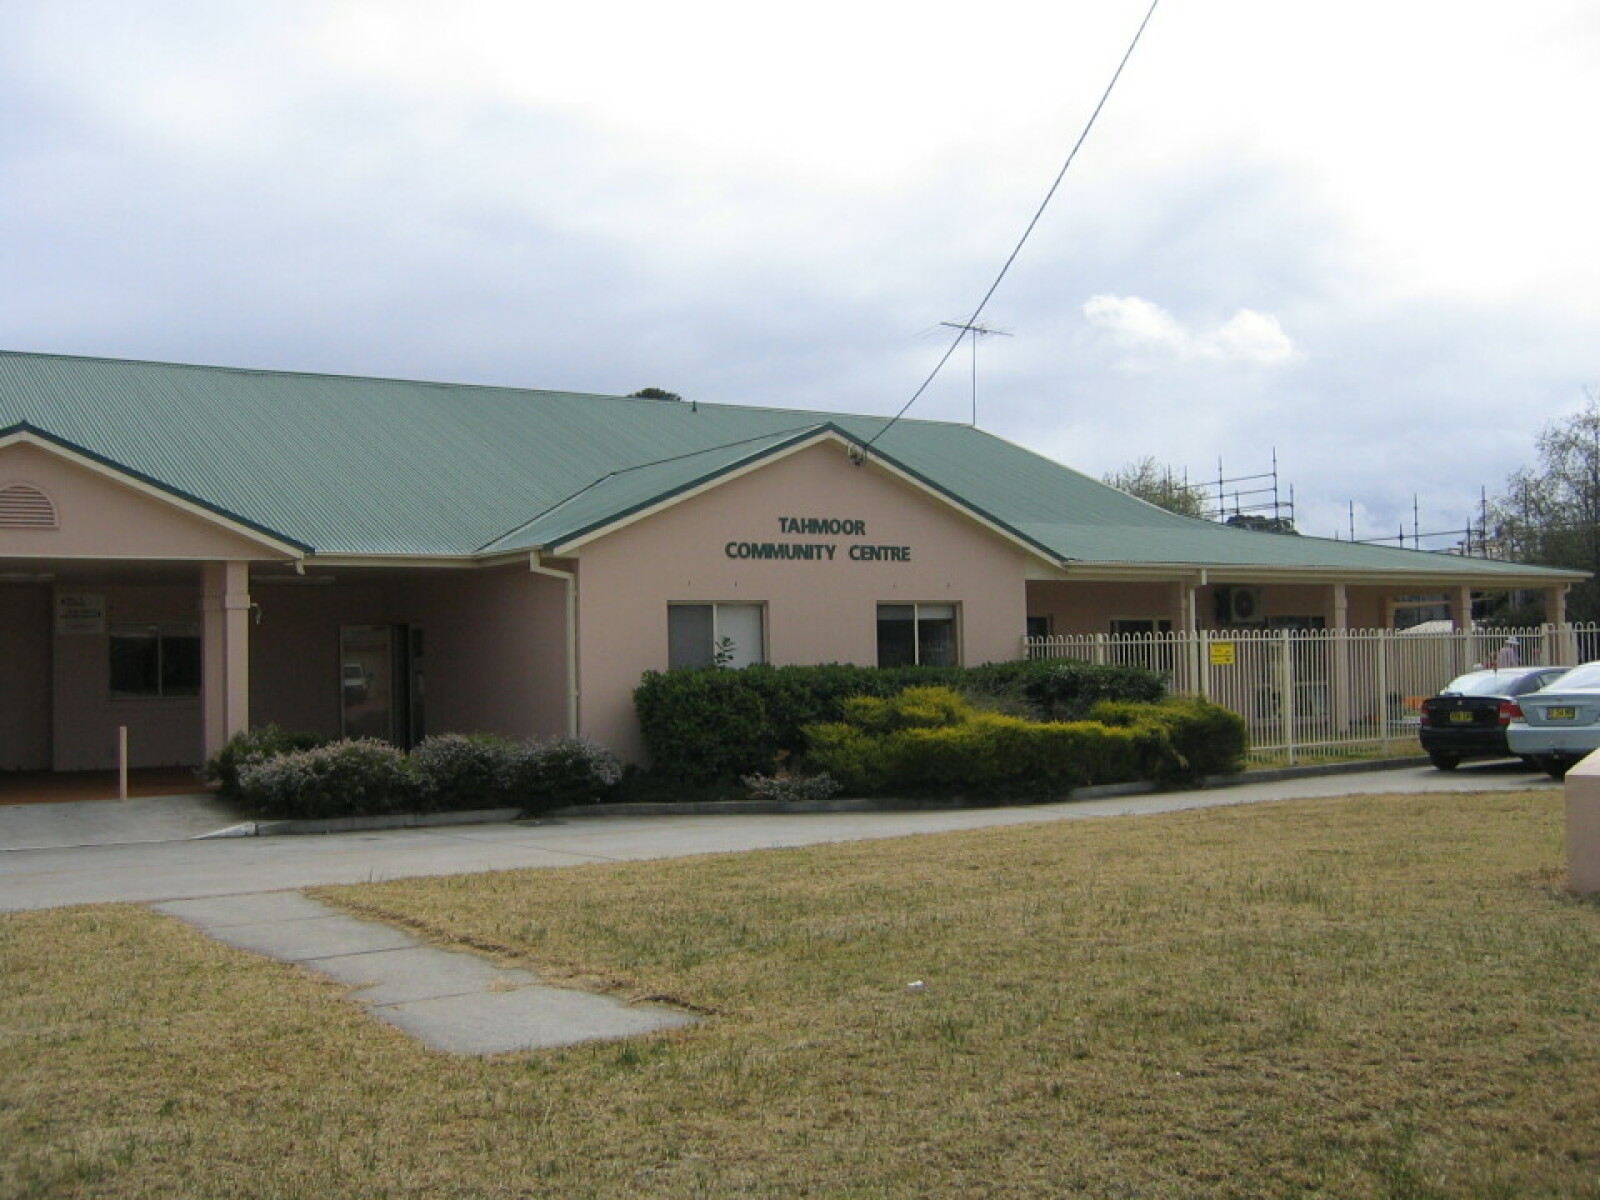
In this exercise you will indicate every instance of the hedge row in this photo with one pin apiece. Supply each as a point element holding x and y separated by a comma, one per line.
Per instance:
<point>929,740</point>
<point>296,776</point>
<point>705,725</point>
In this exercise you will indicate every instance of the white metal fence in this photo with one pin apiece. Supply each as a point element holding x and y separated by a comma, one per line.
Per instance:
<point>1321,694</point>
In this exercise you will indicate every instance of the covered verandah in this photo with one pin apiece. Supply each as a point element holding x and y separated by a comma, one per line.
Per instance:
<point>106,663</point>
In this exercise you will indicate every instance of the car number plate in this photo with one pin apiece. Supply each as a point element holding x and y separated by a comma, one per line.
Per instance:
<point>1463,716</point>
<point>1561,713</point>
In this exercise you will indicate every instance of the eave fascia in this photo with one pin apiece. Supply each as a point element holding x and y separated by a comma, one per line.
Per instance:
<point>1256,574</point>
<point>430,562</point>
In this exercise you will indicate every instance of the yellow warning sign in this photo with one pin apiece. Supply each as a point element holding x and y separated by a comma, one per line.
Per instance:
<point>1223,654</point>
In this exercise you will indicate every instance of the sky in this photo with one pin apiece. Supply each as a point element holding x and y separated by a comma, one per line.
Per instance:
<point>1359,237</point>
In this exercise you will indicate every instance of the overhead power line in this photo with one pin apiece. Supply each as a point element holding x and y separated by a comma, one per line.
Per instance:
<point>971,321</point>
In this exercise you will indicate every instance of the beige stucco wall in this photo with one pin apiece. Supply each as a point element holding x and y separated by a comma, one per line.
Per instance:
<point>494,649</point>
<point>107,527</point>
<point>25,677</point>
<point>294,649</point>
<point>1091,607</point>
<point>162,731</point>
<point>101,517</point>
<point>816,611</point>
<point>496,652</point>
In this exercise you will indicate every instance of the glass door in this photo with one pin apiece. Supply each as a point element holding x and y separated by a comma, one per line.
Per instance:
<point>366,681</point>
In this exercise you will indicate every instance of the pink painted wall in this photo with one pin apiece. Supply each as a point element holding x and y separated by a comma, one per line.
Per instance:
<point>1091,607</point>
<point>25,622</point>
<point>294,649</point>
<point>817,611</point>
<point>496,652</point>
<point>162,731</point>
<point>99,517</point>
<point>494,649</point>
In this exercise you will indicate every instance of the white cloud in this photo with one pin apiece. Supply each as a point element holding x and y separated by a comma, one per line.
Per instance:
<point>1147,332</point>
<point>1252,337</point>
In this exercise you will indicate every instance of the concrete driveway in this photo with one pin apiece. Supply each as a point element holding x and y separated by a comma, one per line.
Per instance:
<point>118,851</point>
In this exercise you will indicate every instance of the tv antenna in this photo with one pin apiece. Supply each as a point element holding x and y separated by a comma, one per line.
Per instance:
<point>969,329</point>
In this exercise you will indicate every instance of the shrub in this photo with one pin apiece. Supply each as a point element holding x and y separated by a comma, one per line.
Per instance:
<point>792,789</point>
<point>998,755</point>
<point>458,771</point>
<point>946,747</point>
<point>914,708</point>
<point>861,761</point>
<point>704,725</point>
<point>340,779</point>
<point>1068,690</point>
<point>1185,738</point>
<point>561,772</point>
<point>253,746</point>
<point>1212,738</point>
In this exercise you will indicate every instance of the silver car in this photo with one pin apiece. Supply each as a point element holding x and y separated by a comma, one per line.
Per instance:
<point>1556,726</point>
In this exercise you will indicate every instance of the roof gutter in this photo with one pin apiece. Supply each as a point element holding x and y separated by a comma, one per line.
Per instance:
<point>1537,578</point>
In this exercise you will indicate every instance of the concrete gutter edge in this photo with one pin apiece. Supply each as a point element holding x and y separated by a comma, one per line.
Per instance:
<point>477,816</point>
<point>729,808</point>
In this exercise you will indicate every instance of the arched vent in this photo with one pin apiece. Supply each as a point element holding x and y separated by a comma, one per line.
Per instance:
<point>23,506</point>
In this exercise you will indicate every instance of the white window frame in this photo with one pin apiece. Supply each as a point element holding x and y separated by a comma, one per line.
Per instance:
<point>721,620</point>
<point>953,616</point>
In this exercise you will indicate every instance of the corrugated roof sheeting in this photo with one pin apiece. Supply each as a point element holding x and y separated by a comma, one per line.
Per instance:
<point>351,465</point>
<point>623,493</point>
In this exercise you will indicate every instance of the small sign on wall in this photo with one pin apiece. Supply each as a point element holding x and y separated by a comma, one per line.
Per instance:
<point>78,612</point>
<point>1223,654</point>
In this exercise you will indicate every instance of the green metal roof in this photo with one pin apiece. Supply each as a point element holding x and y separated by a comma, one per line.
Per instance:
<point>345,465</point>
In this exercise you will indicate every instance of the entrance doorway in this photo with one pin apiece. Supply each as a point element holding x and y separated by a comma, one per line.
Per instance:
<point>381,683</point>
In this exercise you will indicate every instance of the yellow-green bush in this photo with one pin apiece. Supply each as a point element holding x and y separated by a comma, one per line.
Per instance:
<point>913,708</point>
<point>929,740</point>
<point>1184,738</point>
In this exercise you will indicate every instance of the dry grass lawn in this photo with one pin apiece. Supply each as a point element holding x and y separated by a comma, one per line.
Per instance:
<point>1381,997</point>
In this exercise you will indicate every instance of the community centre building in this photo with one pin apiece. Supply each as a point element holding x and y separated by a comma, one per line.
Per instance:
<point>188,551</point>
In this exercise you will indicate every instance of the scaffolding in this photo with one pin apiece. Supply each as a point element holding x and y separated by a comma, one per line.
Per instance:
<point>1252,501</point>
<point>1472,541</point>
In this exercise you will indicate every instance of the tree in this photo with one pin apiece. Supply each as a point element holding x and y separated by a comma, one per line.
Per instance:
<point>1550,514</point>
<point>1152,482</point>
<point>654,393</point>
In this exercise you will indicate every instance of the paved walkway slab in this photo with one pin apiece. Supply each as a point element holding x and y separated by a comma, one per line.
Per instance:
<point>139,819</point>
<point>452,1000</point>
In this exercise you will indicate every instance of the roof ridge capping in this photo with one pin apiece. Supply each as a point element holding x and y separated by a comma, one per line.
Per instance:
<point>283,372</point>
<point>822,415</point>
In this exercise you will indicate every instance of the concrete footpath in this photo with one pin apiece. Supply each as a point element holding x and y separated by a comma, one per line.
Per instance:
<point>243,891</point>
<point>452,1000</point>
<point>44,865</point>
